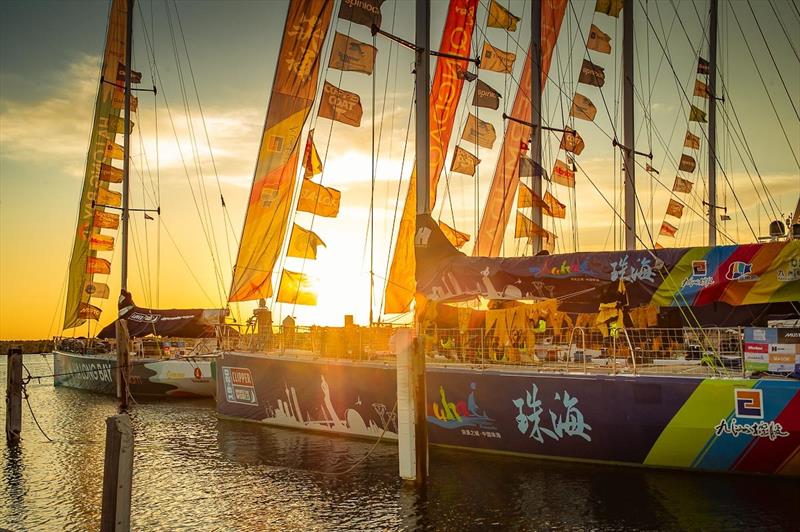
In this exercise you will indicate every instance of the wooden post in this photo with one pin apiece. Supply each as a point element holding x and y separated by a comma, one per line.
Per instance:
<point>123,363</point>
<point>403,345</point>
<point>14,396</point>
<point>117,474</point>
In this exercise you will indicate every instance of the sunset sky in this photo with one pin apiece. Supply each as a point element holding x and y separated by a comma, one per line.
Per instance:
<point>50,56</point>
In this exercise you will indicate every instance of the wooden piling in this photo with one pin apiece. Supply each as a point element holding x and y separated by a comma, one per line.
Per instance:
<point>14,396</point>
<point>123,363</point>
<point>117,474</point>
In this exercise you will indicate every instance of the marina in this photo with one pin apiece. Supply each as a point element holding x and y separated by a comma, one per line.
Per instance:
<point>373,304</point>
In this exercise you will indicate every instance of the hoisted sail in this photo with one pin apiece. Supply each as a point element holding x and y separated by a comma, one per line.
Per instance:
<point>448,80</point>
<point>293,93</point>
<point>500,202</point>
<point>84,262</point>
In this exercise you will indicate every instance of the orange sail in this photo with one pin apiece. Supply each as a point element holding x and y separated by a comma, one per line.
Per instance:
<point>88,240</point>
<point>500,202</point>
<point>445,93</point>
<point>293,93</point>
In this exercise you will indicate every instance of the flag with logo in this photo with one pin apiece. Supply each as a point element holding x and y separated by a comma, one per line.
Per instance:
<point>682,185</point>
<point>667,229</point>
<point>500,17</point>
<point>118,101</point>
<point>296,288</point>
<point>322,201</point>
<point>464,162</point>
<point>312,164</point>
<point>592,74</point>
<point>98,242</point>
<point>563,175</point>
<point>697,115</point>
<point>340,105</point>
<point>691,141</point>
<point>303,243</point>
<point>497,60</point>
<point>96,289</point>
<point>363,12</point>
<point>700,89</point>
<point>479,132</point>
<point>675,208</point>
<point>457,238</point>
<point>598,41</point>
<point>108,198</point>
<point>572,141</point>
<point>105,220</point>
<point>136,77</point>
<point>98,265</point>
<point>687,163</point>
<point>110,174</point>
<point>608,7</point>
<point>485,96</point>
<point>583,108</point>
<point>352,55</point>
<point>113,151</point>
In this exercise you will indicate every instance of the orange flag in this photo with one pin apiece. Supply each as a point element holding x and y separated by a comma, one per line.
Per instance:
<point>667,229</point>
<point>457,238</point>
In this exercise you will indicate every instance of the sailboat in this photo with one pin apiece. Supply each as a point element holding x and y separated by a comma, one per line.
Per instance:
<point>651,356</point>
<point>172,349</point>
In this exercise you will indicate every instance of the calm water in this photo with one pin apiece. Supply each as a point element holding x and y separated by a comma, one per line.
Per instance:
<point>193,471</point>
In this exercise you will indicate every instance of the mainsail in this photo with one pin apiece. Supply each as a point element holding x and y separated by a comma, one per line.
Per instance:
<point>293,93</point>
<point>96,195</point>
<point>500,202</point>
<point>445,93</point>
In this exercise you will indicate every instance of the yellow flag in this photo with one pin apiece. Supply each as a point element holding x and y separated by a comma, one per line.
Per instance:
<point>105,220</point>
<point>500,17</point>
<point>457,238</point>
<point>303,243</point>
<point>609,7</point>
<point>113,151</point>
<point>312,164</point>
<point>598,41</point>
<point>497,60</point>
<point>464,162</point>
<point>583,108</point>
<point>98,242</point>
<point>108,198</point>
<point>528,198</point>
<point>296,288</point>
<point>555,208</point>
<point>697,115</point>
<point>352,55</point>
<point>322,201</point>
<point>118,100</point>
<point>479,132</point>
<point>110,174</point>
<point>675,208</point>
<point>96,289</point>
<point>572,141</point>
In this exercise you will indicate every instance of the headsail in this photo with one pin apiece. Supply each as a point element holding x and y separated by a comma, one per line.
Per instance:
<point>80,290</point>
<point>293,93</point>
<point>500,202</point>
<point>445,93</point>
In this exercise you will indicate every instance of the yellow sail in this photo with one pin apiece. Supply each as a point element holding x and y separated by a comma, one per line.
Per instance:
<point>293,93</point>
<point>84,262</point>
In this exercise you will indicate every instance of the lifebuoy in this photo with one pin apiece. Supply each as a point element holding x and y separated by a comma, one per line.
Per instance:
<point>198,373</point>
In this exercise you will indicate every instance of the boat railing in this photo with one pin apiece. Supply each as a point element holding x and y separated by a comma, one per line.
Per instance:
<point>674,351</point>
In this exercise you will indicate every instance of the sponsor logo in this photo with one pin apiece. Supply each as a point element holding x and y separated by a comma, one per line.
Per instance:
<point>741,271</point>
<point>239,386</point>
<point>760,429</point>
<point>699,268</point>
<point>699,277</point>
<point>749,403</point>
<point>792,273</point>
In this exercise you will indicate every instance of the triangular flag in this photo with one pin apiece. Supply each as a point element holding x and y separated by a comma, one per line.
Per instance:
<point>312,164</point>
<point>697,115</point>
<point>303,243</point>
<point>464,162</point>
<point>457,238</point>
<point>598,41</point>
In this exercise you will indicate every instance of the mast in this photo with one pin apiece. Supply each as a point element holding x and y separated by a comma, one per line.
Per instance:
<point>123,369</point>
<point>627,126</point>
<point>712,128</point>
<point>423,73</point>
<point>536,115</point>
<point>126,147</point>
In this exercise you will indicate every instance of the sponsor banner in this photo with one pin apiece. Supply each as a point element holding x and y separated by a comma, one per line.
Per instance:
<point>772,349</point>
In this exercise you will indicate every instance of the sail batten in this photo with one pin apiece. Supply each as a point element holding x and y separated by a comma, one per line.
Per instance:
<point>274,181</point>
<point>99,173</point>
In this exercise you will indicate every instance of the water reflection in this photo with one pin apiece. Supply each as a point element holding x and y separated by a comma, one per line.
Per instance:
<point>195,471</point>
